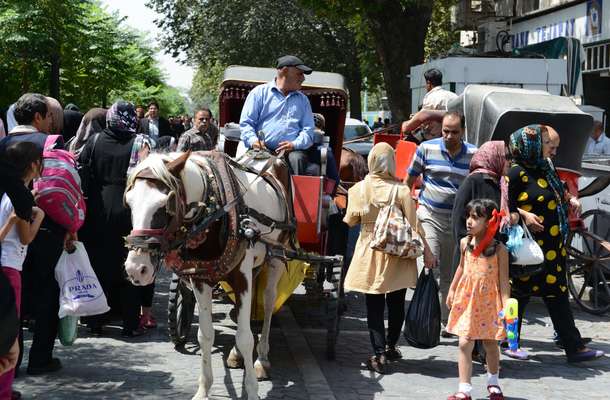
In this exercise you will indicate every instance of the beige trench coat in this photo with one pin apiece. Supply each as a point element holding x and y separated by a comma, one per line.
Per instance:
<point>373,271</point>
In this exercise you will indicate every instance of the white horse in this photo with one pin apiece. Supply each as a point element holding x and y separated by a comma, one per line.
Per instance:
<point>148,200</point>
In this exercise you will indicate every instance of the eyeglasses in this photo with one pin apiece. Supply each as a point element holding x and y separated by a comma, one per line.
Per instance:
<point>203,119</point>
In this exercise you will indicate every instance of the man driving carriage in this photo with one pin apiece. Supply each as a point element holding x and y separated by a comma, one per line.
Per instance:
<point>282,113</point>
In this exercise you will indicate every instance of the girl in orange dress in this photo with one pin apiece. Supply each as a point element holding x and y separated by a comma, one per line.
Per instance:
<point>477,294</point>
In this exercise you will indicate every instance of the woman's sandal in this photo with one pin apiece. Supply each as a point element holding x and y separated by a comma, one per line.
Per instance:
<point>495,395</point>
<point>459,396</point>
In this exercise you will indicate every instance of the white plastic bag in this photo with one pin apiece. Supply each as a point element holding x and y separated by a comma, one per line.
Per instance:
<point>80,291</point>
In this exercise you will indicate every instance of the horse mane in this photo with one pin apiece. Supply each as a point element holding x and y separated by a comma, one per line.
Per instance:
<point>156,163</point>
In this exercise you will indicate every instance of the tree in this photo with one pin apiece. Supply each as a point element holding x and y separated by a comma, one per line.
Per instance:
<point>76,52</point>
<point>398,29</point>
<point>257,32</point>
<point>207,79</point>
<point>441,36</point>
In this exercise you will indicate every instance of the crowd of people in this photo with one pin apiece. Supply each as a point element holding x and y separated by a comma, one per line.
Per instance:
<point>110,142</point>
<point>469,199</point>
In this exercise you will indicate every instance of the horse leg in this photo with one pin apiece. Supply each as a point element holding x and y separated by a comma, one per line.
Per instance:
<point>205,335</point>
<point>244,339</point>
<point>275,269</point>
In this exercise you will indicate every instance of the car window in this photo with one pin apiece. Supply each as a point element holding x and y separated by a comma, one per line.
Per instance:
<point>354,131</point>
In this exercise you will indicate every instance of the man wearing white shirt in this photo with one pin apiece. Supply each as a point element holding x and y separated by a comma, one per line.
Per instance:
<point>598,143</point>
<point>437,98</point>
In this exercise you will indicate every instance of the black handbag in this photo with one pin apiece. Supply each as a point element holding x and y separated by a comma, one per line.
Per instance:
<point>423,320</point>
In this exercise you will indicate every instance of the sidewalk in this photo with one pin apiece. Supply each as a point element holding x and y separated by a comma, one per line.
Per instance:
<point>149,368</point>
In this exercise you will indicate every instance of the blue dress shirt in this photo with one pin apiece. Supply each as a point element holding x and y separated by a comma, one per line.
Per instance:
<point>281,118</point>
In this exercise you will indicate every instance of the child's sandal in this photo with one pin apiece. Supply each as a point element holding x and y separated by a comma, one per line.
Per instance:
<point>459,396</point>
<point>495,395</point>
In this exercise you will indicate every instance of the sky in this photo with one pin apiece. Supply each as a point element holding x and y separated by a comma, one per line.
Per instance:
<point>141,17</point>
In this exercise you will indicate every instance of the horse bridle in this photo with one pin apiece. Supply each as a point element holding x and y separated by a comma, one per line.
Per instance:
<point>158,241</point>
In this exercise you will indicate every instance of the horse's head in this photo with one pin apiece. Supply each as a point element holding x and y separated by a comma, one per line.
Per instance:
<point>155,196</point>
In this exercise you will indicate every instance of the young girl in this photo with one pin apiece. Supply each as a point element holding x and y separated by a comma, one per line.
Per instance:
<point>477,294</point>
<point>16,233</point>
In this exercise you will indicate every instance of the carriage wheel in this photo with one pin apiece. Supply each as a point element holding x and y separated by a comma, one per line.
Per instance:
<point>180,311</point>
<point>333,308</point>
<point>589,263</point>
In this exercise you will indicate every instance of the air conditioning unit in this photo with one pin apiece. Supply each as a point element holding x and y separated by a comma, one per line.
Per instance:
<point>487,34</point>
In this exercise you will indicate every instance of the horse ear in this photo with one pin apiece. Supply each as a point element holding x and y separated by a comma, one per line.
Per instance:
<point>176,166</point>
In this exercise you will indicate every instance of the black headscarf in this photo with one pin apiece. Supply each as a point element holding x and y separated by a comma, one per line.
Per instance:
<point>121,119</point>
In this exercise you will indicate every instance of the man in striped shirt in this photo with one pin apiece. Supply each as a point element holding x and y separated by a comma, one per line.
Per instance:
<point>443,163</point>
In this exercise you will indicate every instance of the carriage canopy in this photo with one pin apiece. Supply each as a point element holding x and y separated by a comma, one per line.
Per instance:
<point>326,92</point>
<point>493,113</point>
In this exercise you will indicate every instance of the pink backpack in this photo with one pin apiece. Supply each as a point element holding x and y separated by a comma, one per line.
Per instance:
<point>58,191</point>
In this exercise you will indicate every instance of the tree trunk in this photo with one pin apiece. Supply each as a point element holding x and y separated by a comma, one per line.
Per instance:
<point>54,76</point>
<point>399,33</point>
<point>354,85</point>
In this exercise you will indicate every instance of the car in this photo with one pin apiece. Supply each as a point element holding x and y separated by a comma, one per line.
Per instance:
<point>355,129</point>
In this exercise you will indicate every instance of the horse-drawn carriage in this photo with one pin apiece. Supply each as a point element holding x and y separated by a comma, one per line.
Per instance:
<point>311,200</point>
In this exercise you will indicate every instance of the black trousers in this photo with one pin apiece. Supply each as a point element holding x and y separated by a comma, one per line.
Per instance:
<point>375,307</point>
<point>42,291</point>
<point>148,293</point>
<point>298,160</point>
<point>562,318</point>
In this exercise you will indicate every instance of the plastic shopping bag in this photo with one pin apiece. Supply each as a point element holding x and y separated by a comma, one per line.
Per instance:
<point>423,320</point>
<point>67,330</point>
<point>80,291</point>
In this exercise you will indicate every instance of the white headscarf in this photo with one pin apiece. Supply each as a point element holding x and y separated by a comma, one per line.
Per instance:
<point>11,122</point>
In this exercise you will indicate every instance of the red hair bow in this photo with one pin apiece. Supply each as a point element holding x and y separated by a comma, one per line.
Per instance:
<point>490,233</point>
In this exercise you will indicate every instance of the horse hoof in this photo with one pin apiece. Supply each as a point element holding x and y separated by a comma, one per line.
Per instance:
<point>261,371</point>
<point>234,361</point>
<point>199,396</point>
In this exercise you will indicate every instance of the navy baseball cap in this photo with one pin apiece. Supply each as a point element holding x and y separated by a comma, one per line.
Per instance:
<point>292,61</point>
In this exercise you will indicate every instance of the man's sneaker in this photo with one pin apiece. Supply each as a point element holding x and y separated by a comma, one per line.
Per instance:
<point>587,355</point>
<point>392,353</point>
<point>53,366</point>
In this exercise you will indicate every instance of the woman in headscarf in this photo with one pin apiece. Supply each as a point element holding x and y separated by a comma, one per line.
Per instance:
<point>535,187</point>
<point>383,278</point>
<point>108,220</point>
<point>486,181</point>
<point>93,121</point>
<point>56,111</point>
<point>487,168</point>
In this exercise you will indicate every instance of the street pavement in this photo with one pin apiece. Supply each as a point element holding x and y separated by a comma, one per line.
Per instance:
<point>148,367</point>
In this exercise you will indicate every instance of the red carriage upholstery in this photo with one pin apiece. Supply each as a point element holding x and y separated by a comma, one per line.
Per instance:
<point>570,179</point>
<point>389,138</point>
<point>404,155</point>
<point>311,199</point>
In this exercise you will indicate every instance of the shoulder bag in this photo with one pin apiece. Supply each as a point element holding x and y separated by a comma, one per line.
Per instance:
<point>393,234</point>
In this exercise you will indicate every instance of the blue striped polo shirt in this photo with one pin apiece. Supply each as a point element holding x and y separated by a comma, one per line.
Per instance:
<point>442,174</point>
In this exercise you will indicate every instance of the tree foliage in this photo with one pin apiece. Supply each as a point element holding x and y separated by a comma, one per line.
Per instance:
<point>440,37</point>
<point>256,33</point>
<point>397,28</point>
<point>78,52</point>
